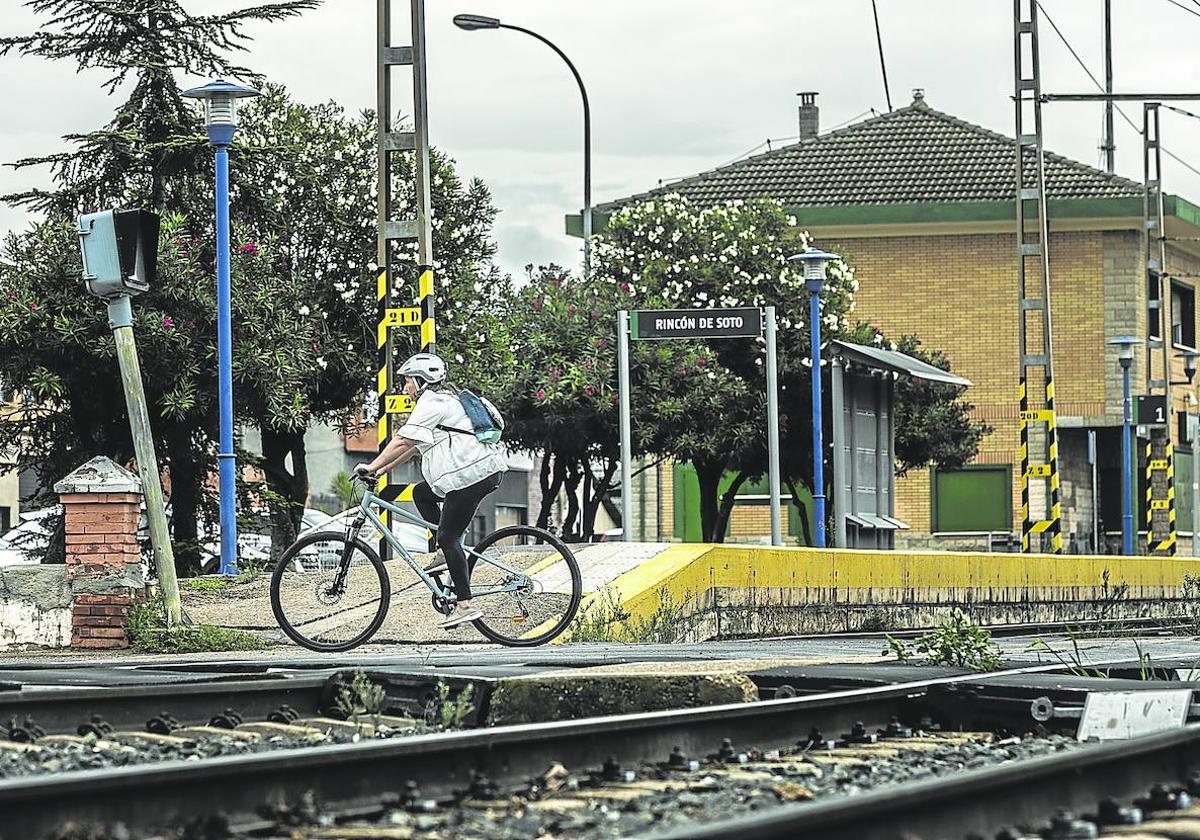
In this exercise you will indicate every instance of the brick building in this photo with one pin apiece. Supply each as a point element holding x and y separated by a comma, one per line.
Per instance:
<point>922,205</point>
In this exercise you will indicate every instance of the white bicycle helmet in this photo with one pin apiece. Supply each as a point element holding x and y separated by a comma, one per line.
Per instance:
<point>426,368</point>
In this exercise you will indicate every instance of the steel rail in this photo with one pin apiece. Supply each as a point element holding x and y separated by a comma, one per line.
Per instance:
<point>348,776</point>
<point>130,706</point>
<point>980,802</point>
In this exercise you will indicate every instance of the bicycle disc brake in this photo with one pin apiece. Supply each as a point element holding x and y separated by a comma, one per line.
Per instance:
<point>326,594</point>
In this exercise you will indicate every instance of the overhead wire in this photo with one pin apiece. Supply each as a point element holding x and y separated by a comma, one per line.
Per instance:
<point>1099,86</point>
<point>1187,9</point>
<point>887,92</point>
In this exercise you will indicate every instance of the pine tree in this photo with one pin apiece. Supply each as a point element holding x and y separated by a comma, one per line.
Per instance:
<point>151,151</point>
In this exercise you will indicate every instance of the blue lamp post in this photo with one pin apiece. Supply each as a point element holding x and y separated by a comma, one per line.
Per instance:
<point>220,118</point>
<point>815,262</point>
<point>1125,345</point>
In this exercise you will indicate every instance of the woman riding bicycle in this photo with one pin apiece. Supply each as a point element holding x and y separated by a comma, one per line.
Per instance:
<point>459,471</point>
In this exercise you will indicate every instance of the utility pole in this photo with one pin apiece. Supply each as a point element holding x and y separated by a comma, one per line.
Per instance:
<point>1160,455</point>
<point>391,231</point>
<point>1109,145</point>
<point>1038,416</point>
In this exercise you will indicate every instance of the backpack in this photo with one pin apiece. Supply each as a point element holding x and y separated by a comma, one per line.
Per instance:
<point>487,424</point>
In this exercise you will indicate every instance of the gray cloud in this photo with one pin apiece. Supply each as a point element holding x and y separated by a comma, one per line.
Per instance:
<point>676,86</point>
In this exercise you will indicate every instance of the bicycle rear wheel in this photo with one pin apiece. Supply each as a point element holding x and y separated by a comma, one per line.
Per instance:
<point>312,610</point>
<point>544,586</point>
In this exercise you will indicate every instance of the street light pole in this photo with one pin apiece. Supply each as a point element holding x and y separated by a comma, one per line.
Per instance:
<point>1125,345</point>
<point>815,262</point>
<point>220,104</point>
<point>474,22</point>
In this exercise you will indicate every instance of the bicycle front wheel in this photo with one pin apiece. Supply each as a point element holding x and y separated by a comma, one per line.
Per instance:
<point>322,607</point>
<point>526,583</point>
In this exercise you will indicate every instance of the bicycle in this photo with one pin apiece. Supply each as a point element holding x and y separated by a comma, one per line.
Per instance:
<point>330,591</point>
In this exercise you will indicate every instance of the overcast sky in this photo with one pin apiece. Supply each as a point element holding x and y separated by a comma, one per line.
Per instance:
<point>676,86</point>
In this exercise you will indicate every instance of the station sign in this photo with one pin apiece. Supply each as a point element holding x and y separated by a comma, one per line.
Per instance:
<point>1151,410</point>
<point>658,324</point>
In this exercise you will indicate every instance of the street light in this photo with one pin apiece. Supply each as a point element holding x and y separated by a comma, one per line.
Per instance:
<point>220,118</point>
<point>472,23</point>
<point>815,262</point>
<point>1189,365</point>
<point>1125,345</point>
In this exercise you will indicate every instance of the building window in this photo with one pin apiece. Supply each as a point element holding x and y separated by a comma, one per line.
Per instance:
<point>476,530</point>
<point>5,520</point>
<point>1183,315</point>
<point>973,500</point>
<point>507,515</point>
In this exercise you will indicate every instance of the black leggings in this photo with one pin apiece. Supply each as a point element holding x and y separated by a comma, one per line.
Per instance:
<point>452,518</point>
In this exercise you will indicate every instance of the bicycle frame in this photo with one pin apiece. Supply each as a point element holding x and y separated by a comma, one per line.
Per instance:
<point>367,513</point>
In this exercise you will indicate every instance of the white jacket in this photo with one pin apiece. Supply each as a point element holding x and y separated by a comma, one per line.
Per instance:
<point>450,460</point>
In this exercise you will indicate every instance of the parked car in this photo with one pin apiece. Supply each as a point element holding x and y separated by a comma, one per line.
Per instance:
<point>30,539</point>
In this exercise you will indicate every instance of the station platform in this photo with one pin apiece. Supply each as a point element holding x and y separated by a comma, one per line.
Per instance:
<point>728,591</point>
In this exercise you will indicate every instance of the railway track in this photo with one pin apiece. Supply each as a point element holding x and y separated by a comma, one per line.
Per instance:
<point>349,777</point>
<point>946,747</point>
<point>1101,786</point>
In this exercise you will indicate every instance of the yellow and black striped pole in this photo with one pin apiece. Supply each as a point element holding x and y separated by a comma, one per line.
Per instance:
<point>1055,524</point>
<point>390,404</point>
<point>1155,505</point>
<point>1047,471</point>
<point>1026,522</point>
<point>1150,495</point>
<point>1170,545</point>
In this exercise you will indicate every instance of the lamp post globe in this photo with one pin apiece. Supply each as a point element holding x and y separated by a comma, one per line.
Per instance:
<point>1189,363</point>
<point>220,108</point>
<point>1126,344</point>
<point>815,263</point>
<point>220,117</point>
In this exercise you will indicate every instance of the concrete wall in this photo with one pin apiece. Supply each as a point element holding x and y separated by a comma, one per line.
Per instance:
<point>744,591</point>
<point>35,607</point>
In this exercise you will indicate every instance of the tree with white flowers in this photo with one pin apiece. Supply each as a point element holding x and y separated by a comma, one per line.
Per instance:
<point>735,254</point>
<point>306,180</point>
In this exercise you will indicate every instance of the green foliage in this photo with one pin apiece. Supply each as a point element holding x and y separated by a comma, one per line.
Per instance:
<point>606,620</point>
<point>148,633</point>
<point>344,488</point>
<point>451,711</point>
<point>361,698</point>
<point>55,343</point>
<point>208,583</point>
<point>956,641</point>
<point>559,394</point>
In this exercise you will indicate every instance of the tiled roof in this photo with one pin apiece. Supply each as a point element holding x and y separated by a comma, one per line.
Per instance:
<point>914,155</point>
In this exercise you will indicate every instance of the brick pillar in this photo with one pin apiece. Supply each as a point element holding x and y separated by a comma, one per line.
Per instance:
<point>101,502</point>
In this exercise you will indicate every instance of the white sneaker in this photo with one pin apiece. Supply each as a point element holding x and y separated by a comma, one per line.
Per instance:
<point>460,616</point>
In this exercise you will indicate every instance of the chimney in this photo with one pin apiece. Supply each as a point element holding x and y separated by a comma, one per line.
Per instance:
<point>809,114</point>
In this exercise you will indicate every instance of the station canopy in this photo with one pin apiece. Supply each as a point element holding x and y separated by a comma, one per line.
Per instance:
<point>895,362</point>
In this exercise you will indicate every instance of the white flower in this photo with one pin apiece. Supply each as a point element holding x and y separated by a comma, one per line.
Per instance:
<point>304,310</point>
<point>322,363</point>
